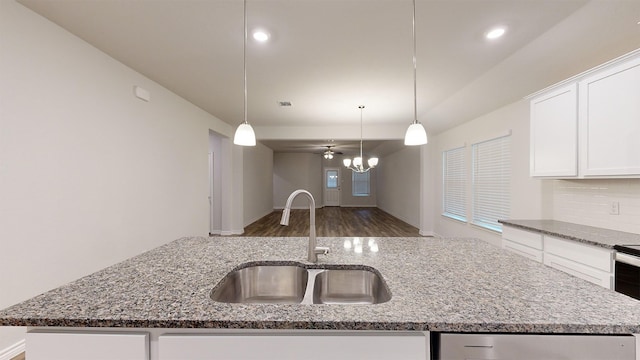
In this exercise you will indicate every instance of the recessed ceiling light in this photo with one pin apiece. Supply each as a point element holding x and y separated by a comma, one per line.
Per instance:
<point>495,32</point>
<point>261,35</point>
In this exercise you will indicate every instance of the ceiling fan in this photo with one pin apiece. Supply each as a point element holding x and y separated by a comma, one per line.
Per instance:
<point>328,154</point>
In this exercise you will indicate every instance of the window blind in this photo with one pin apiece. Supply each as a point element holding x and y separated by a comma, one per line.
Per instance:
<point>454,184</point>
<point>360,184</point>
<point>491,182</point>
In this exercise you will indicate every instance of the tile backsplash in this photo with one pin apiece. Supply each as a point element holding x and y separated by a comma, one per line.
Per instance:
<point>590,202</point>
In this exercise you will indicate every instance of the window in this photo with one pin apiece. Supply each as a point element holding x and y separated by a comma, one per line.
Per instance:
<point>491,182</point>
<point>454,184</point>
<point>360,183</point>
<point>332,179</point>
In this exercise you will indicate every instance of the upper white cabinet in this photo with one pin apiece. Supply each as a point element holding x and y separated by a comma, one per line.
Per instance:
<point>610,121</point>
<point>589,125</point>
<point>554,133</point>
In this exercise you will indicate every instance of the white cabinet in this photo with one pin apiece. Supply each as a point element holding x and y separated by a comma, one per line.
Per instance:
<point>587,262</point>
<point>525,243</point>
<point>589,125</point>
<point>554,133</point>
<point>54,345</point>
<point>295,346</point>
<point>610,121</point>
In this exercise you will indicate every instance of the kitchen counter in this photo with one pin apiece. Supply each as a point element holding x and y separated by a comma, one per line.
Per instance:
<point>448,285</point>
<point>586,234</point>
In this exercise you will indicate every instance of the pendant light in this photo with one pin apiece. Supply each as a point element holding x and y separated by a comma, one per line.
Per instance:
<point>357,161</point>
<point>415,135</point>
<point>244,135</point>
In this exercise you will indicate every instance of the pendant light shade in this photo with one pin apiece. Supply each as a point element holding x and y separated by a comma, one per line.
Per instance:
<point>416,134</point>
<point>245,136</point>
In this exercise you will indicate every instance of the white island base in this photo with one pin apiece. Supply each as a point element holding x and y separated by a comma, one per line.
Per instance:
<point>48,343</point>
<point>197,344</point>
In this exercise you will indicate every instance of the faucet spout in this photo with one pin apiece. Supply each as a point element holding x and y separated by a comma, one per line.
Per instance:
<point>313,251</point>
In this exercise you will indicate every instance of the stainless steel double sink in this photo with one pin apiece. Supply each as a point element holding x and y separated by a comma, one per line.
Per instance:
<point>296,284</point>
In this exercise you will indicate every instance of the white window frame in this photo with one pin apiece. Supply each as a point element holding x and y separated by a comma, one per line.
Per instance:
<point>454,183</point>
<point>491,182</point>
<point>355,182</point>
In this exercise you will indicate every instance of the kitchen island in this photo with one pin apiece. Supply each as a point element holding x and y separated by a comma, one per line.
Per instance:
<point>437,285</point>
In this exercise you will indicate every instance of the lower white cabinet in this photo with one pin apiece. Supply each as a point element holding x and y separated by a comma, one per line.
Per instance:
<point>58,345</point>
<point>521,242</point>
<point>588,262</point>
<point>591,263</point>
<point>291,346</point>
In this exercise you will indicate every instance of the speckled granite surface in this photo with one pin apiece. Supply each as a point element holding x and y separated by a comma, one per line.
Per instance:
<point>586,234</point>
<point>460,285</point>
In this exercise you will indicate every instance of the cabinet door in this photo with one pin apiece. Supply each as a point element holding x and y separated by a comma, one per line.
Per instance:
<point>554,133</point>
<point>46,345</point>
<point>294,346</point>
<point>579,270</point>
<point>610,121</point>
<point>530,253</point>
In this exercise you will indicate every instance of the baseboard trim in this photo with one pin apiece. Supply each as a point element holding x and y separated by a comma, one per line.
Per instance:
<point>231,232</point>
<point>359,206</point>
<point>427,233</point>
<point>296,208</point>
<point>13,350</point>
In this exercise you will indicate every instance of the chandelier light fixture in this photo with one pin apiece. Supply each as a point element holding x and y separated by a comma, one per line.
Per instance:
<point>357,164</point>
<point>245,136</point>
<point>415,135</point>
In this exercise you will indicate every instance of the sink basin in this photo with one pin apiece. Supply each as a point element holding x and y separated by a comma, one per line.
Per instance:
<point>275,284</point>
<point>294,284</point>
<point>355,286</point>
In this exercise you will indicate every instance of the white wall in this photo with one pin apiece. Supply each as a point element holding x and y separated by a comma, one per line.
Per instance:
<point>527,194</point>
<point>89,174</point>
<point>258,182</point>
<point>399,184</point>
<point>292,171</point>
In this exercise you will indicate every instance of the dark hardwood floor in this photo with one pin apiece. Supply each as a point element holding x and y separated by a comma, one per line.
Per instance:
<point>334,222</point>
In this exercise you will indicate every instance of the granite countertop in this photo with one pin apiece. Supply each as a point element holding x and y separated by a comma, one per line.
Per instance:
<point>586,234</point>
<point>437,284</point>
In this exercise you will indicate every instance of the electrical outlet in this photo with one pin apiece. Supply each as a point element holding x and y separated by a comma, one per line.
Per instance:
<point>615,208</point>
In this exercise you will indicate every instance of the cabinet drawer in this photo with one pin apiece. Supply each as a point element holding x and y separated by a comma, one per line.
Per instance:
<point>589,255</point>
<point>526,238</point>
<point>49,345</point>
<point>294,346</point>
<point>579,270</point>
<point>522,250</point>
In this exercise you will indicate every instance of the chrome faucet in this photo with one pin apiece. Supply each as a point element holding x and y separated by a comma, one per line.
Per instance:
<point>313,249</point>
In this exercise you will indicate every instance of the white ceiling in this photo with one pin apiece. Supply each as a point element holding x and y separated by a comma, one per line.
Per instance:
<point>328,56</point>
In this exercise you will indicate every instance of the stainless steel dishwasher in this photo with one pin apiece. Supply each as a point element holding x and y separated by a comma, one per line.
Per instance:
<point>535,347</point>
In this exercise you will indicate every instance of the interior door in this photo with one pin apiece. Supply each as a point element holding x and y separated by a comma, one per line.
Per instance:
<point>331,187</point>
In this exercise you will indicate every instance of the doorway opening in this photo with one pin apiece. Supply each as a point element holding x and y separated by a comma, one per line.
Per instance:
<point>331,187</point>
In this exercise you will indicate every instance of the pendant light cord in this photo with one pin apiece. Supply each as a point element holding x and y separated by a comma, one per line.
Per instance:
<point>244,61</point>
<point>361,107</point>
<point>415,92</point>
